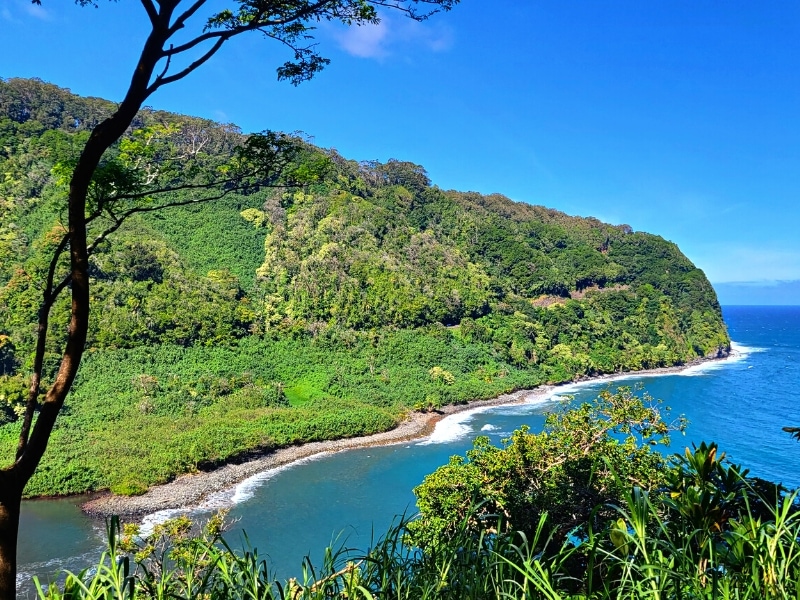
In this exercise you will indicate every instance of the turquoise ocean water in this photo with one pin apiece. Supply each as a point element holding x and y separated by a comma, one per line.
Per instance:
<point>741,403</point>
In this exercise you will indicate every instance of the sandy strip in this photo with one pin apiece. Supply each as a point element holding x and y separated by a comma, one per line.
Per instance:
<point>189,490</point>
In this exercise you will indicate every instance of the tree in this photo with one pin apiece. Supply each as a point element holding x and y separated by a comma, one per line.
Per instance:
<point>588,456</point>
<point>192,31</point>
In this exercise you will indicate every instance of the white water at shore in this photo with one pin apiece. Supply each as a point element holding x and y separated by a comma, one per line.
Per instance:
<point>739,353</point>
<point>452,427</point>
<point>223,499</point>
<point>244,490</point>
<point>74,563</point>
<point>455,427</point>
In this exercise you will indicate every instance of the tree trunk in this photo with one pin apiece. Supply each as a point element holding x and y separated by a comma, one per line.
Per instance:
<point>31,448</point>
<point>10,499</point>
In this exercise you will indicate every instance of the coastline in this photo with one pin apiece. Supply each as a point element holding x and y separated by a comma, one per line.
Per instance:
<point>188,491</point>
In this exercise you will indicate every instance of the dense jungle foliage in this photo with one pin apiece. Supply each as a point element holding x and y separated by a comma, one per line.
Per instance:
<point>274,316</point>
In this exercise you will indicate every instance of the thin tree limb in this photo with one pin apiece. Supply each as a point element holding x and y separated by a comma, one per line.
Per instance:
<point>48,297</point>
<point>183,73</point>
<point>180,22</point>
<point>258,22</point>
<point>166,66</point>
<point>53,265</point>
<point>151,11</point>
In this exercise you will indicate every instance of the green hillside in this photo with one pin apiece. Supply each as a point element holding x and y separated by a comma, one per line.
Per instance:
<point>278,316</point>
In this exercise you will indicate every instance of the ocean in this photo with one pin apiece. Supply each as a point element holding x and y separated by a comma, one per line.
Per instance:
<point>347,498</point>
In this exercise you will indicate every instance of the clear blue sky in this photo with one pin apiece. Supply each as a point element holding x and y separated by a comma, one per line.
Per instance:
<point>678,117</point>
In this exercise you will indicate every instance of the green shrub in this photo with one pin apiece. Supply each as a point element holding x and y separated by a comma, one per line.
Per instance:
<point>129,487</point>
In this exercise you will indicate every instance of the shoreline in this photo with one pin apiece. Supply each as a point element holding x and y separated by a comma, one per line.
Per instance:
<point>188,491</point>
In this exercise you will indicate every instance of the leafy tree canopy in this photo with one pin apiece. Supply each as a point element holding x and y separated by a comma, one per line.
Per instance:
<point>585,460</point>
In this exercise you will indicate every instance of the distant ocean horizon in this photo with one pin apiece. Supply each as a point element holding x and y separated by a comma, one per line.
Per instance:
<point>741,403</point>
<point>759,293</point>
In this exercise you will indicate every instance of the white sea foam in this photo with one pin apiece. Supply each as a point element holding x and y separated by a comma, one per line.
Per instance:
<point>489,427</point>
<point>45,569</point>
<point>223,499</point>
<point>452,427</point>
<point>456,426</point>
<point>244,490</point>
<point>739,352</point>
<point>150,521</point>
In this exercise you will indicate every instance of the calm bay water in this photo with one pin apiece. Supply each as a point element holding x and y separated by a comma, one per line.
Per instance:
<point>740,403</point>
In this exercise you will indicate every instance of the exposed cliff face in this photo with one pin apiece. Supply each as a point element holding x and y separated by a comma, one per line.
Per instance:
<point>720,352</point>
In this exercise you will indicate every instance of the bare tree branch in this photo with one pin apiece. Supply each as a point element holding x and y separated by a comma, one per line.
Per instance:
<point>211,35</point>
<point>53,265</point>
<point>181,74</point>
<point>400,5</point>
<point>258,22</point>
<point>166,67</point>
<point>41,340</point>
<point>152,13</point>
<point>180,188</point>
<point>180,22</point>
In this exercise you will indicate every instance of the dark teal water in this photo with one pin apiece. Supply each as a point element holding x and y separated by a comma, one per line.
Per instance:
<point>741,403</point>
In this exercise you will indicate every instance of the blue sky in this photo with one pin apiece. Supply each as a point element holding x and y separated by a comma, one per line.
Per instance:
<point>677,117</point>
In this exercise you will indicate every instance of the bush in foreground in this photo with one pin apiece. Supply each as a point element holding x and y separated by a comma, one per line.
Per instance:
<point>651,550</point>
<point>686,527</point>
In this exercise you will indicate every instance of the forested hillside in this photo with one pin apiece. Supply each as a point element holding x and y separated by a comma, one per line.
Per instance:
<point>275,316</point>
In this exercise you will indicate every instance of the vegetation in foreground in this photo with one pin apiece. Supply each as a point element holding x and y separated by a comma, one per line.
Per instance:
<point>278,316</point>
<point>696,529</point>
